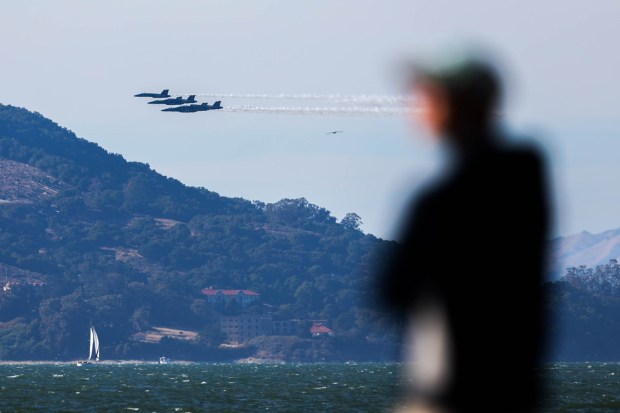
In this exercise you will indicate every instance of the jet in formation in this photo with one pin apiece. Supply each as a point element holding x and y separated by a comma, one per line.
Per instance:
<point>181,104</point>
<point>195,108</point>
<point>163,94</point>
<point>174,101</point>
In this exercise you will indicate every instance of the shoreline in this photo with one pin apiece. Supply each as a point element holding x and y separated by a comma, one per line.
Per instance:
<point>73,362</point>
<point>250,360</point>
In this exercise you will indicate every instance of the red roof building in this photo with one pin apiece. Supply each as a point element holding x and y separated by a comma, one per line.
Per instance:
<point>243,297</point>
<point>319,330</point>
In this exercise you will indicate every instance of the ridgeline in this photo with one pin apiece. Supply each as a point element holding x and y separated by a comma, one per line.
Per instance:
<point>88,237</point>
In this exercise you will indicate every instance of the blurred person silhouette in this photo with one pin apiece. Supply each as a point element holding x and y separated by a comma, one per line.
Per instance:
<point>468,272</point>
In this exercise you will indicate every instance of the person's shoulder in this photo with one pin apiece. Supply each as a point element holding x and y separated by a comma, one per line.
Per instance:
<point>422,198</point>
<point>525,152</point>
<point>426,197</point>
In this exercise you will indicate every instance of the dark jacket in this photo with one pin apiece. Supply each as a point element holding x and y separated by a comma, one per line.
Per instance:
<point>474,242</point>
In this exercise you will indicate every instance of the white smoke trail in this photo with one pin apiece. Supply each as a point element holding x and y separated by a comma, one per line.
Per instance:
<point>358,99</point>
<point>325,111</point>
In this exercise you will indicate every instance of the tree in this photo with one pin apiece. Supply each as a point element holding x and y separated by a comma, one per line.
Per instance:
<point>351,221</point>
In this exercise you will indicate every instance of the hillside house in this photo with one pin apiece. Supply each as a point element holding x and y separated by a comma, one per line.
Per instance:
<point>242,297</point>
<point>319,330</point>
<point>245,326</point>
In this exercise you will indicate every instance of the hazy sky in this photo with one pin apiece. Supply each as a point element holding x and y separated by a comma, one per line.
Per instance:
<point>79,63</point>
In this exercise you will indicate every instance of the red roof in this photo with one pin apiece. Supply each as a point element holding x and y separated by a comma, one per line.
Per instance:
<point>320,329</point>
<point>213,291</point>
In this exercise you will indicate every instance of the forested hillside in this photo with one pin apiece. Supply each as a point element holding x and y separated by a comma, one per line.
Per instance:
<point>86,236</point>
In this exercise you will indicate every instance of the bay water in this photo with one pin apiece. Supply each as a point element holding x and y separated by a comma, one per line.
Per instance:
<point>196,387</point>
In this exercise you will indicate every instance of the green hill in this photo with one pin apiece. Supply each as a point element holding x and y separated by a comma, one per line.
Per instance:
<point>86,236</point>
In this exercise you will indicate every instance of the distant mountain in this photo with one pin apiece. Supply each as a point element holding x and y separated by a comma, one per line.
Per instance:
<point>86,236</point>
<point>584,248</point>
<point>584,299</point>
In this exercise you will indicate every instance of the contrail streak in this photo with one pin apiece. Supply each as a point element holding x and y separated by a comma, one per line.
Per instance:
<point>326,111</point>
<point>359,99</point>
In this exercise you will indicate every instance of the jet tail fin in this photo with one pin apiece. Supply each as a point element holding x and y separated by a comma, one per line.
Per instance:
<point>218,104</point>
<point>192,98</point>
<point>165,91</point>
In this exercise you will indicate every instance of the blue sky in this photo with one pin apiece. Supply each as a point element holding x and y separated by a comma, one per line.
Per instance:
<point>79,63</point>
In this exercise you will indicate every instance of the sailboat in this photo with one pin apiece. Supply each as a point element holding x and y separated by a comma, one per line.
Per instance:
<point>92,348</point>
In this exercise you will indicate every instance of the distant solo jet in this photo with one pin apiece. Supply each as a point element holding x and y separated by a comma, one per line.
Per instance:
<point>195,108</point>
<point>334,132</point>
<point>163,94</point>
<point>174,101</point>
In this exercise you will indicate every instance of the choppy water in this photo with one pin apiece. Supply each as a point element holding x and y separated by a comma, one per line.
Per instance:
<point>580,387</point>
<point>583,387</point>
<point>198,388</point>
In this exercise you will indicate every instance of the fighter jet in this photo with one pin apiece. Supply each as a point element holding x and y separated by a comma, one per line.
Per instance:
<point>163,94</point>
<point>174,101</point>
<point>195,108</point>
<point>334,132</point>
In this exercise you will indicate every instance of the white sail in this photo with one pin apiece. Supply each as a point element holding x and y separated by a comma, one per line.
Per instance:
<point>90,344</point>
<point>93,347</point>
<point>95,343</point>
